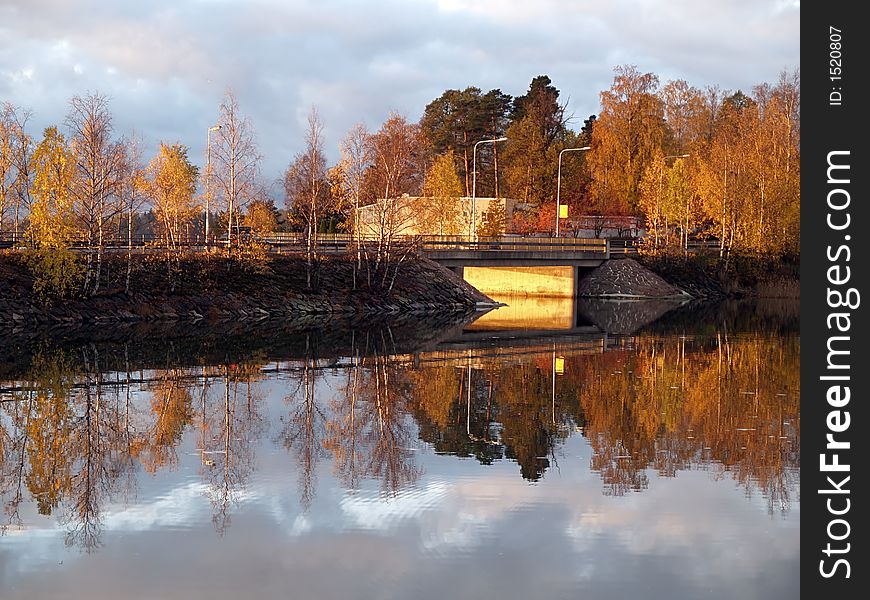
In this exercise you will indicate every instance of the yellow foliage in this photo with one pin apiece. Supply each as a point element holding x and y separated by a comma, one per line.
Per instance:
<point>52,211</point>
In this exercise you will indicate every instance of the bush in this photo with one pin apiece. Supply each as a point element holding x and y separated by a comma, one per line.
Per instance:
<point>57,274</point>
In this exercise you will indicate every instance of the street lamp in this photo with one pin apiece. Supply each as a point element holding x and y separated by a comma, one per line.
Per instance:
<point>659,196</point>
<point>207,176</point>
<point>474,183</point>
<point>559,182</point>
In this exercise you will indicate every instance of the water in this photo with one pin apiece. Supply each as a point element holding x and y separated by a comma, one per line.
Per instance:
<point>529,454</point>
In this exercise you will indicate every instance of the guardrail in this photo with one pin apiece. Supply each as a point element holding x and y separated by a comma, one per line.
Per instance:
<point>513,244</point>
<point>344,242</point>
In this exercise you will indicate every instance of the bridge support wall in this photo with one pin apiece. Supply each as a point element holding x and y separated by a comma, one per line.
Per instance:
<point>524,281</point>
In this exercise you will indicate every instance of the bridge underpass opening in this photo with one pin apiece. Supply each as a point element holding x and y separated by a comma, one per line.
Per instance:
<point>557,282</point>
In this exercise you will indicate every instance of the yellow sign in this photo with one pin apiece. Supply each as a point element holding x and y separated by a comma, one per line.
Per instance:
<point>563,211</point>
<point>560,364</point>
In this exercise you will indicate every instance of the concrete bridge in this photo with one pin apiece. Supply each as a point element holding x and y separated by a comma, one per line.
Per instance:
<point>508,264</point>
<point>520,266</point>
<point>516,252</point>
<point>511,265</point>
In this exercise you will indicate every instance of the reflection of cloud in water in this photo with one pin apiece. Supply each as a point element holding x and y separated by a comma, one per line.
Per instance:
<point>380,512</point>
<point>181,507</point>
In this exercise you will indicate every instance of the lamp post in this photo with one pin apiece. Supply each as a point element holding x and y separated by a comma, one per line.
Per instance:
<point>659,196</point>
<point>474,183</point>
<point>208,176</point>
<point>559,182</point>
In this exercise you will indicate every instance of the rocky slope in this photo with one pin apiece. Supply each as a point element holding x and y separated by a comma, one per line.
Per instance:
<point>626,278</point>
<point>220,289</point>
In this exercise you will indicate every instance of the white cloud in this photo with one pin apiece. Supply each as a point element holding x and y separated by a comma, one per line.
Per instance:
<point>167,63</point>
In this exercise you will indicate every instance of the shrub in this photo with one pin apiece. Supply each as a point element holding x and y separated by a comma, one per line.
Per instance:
<point>57,274</point>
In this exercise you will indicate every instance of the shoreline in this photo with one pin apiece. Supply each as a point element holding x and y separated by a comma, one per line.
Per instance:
<point>197,288</point>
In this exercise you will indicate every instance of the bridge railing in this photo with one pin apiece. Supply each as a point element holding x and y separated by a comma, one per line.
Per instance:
<point>513,244</point>
<point>345,242</point>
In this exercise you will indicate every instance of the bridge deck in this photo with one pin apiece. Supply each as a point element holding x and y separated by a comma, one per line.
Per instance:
<point>512,251</point>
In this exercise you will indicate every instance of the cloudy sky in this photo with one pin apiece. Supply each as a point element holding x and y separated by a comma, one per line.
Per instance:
<point>167,63</point>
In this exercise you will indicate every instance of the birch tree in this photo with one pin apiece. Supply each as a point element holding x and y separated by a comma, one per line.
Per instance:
<point>442,190</point>
<point>7,145</point>
<point>356,159</point>
<point>133,192</point>
<point>171,181</point>
<point>307,188</point>
<point>52,213</point>
<point>398,159</point>
<point>627,134</point>
<point>236,162</point>
<point>97,160</point>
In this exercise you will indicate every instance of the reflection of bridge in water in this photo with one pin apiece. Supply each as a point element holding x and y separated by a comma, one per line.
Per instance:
<point>525,329</point>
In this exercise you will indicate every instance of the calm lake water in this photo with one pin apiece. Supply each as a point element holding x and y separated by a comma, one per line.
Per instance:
<point>550,449</point>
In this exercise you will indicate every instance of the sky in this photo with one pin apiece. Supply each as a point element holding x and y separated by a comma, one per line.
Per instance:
<point>166,64</point>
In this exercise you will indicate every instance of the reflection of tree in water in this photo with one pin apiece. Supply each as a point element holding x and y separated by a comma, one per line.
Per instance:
<point>72,438</point>
<point>724,403</point>
<point>491,410</point>
<point>35,451</point>
<point>672,403</point>
<point>304,427</point>
<point>97,463</point>
<point>75,431</point>
<point>366,429</point>
<point>387,433</point>
<point>171,412</point>
<point>231,423</point>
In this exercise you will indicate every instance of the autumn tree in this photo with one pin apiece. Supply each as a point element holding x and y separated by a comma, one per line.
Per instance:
<point>398,164</point>
<point>685,113</point>
<point>236,162</point>
<point>16,148</point>
<point>56,271</point>
<point>133,188</point>
<point>51,217</point>
<point>628,132</point>
<point>7,145</point>
<point>171,181</point>
<point>337,216</point>
<point>307,188</point>
<point>97,159</point>
<point>356,159</point>
<point>494,220</point>
<point>748,174</point>
<point>22,156</point>
<point>680,206</point>
<point>439,209</point>
<point>262,216</point>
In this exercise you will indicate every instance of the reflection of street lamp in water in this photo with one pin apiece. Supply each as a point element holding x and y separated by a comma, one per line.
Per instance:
<point>558,369</point>
<point>472,437</point>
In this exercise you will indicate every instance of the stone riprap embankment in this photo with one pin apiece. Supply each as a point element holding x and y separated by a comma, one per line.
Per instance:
<point>626,278</point>
<point>220,290</point>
